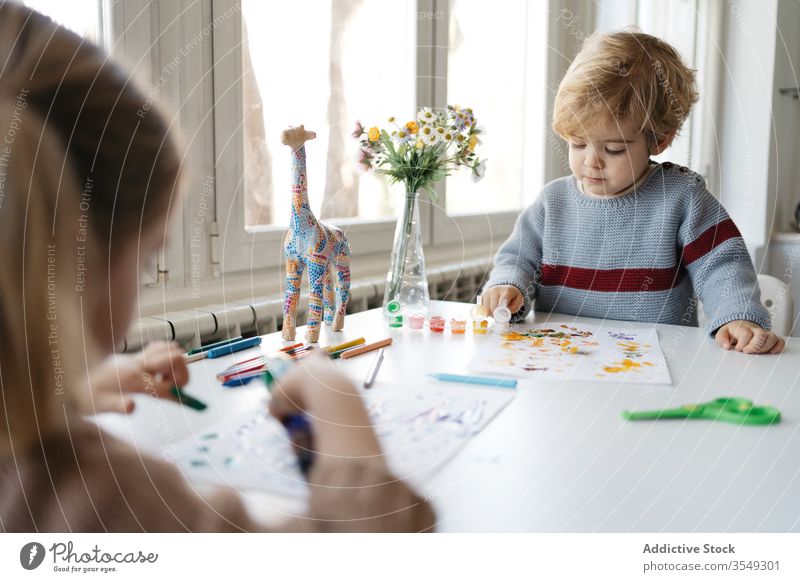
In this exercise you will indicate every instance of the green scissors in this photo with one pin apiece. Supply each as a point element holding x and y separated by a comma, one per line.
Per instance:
<point>735,410</point>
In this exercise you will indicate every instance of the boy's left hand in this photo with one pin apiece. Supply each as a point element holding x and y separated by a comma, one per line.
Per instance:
<point>748,337</point>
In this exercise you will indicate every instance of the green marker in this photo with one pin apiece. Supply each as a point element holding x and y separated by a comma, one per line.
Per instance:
<point>187,400</point>
<point>337,355</point>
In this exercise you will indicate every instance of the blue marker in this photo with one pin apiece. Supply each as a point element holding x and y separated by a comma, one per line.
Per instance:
<point>482,380</point>
<point>233,347</point>
<point>297,425</point>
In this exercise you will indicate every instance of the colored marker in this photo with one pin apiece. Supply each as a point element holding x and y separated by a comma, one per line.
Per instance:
<point>297,425</point>
<point>234,347</point>
<point>230,348</point>
<point>482,380</point>
<point>337,355</point>
<point>373,371</point>
<point>290,348</point>
<point>241,379</point>
<point>187,400</point>
<point>240,373</point>
<point>212,346</point>
<point>297,351</point>
<point>344,346</point>
<point>243,365</point>
<point>366,348</point>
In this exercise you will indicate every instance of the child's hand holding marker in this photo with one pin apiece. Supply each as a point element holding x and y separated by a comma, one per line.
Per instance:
<point>315,388</point>
<point>154,370</point>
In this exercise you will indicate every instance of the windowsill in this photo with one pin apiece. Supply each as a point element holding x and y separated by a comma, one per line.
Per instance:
<point>242,286</point>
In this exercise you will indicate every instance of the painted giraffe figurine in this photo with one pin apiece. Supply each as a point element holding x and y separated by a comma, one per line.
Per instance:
<point>321,248</point>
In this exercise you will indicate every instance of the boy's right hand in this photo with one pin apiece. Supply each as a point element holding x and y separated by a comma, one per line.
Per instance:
<point>493,296</point>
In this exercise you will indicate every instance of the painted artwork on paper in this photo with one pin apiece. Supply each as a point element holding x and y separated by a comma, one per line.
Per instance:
<point>567,351</point>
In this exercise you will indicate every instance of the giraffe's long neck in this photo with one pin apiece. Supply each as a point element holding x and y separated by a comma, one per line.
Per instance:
<point>303,219</point>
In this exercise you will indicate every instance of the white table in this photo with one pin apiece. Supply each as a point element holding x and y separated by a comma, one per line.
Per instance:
<point>560,457</point>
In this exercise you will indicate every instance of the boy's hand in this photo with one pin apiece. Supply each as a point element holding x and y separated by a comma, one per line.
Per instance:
<point>154,370</point>
<point>491,298</point>
<point>748,337</point>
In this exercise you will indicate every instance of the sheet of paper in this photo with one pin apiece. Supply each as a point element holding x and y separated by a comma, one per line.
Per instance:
<point>419,429</point>
<point>569,351</point>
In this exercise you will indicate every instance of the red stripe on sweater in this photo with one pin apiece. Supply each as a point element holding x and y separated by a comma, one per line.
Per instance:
<point>611,280</point>
<point>711,237</point>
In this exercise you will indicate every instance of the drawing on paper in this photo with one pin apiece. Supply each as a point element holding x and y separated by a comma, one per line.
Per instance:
<point>577,352</point>
<point>419,429</point>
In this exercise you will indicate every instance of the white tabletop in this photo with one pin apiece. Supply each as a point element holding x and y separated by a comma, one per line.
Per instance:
<point>560,457</point>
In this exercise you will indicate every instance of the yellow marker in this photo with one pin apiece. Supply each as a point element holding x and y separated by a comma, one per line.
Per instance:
<point>344,346</point>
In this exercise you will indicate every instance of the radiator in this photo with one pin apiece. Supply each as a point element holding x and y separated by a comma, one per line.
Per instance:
<point>191,328</point>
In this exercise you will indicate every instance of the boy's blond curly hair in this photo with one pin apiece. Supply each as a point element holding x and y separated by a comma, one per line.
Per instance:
<point>625,75</point>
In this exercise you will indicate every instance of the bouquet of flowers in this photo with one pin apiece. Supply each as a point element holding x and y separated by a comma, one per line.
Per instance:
<point>418,153</point>
<point>421,152</point>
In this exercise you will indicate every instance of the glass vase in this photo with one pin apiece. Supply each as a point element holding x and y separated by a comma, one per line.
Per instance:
<point>406,290</point>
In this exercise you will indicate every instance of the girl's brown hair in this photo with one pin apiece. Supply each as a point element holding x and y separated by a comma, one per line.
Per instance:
<point>86,162</point>
<point>625,75</point>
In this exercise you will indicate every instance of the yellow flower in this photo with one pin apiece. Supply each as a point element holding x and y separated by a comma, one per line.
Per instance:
<point>412,127</point>
<point>420,143</point>
<point>473,141</point>
<point>374,134</point>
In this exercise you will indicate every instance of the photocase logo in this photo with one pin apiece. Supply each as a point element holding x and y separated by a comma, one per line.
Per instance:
<point>31,555</point>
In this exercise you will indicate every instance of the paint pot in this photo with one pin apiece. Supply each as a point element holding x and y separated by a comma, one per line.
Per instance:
<point>416,321</point>
<point>458,326</point>
<point>480,327</point>
<point>436,324</point>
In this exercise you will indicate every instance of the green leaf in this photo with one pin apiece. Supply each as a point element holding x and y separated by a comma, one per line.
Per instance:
<point>428,187</point>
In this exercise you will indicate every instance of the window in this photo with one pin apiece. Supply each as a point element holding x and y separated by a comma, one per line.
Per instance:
<point>81,16</point>
<point>496,66</point>
<point>353,60</point>
<point>675,21</point>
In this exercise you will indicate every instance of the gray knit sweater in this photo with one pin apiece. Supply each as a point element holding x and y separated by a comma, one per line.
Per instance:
<point>647,255</point>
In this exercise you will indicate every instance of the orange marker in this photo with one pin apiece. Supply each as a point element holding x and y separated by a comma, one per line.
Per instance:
<point>367,348</point>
